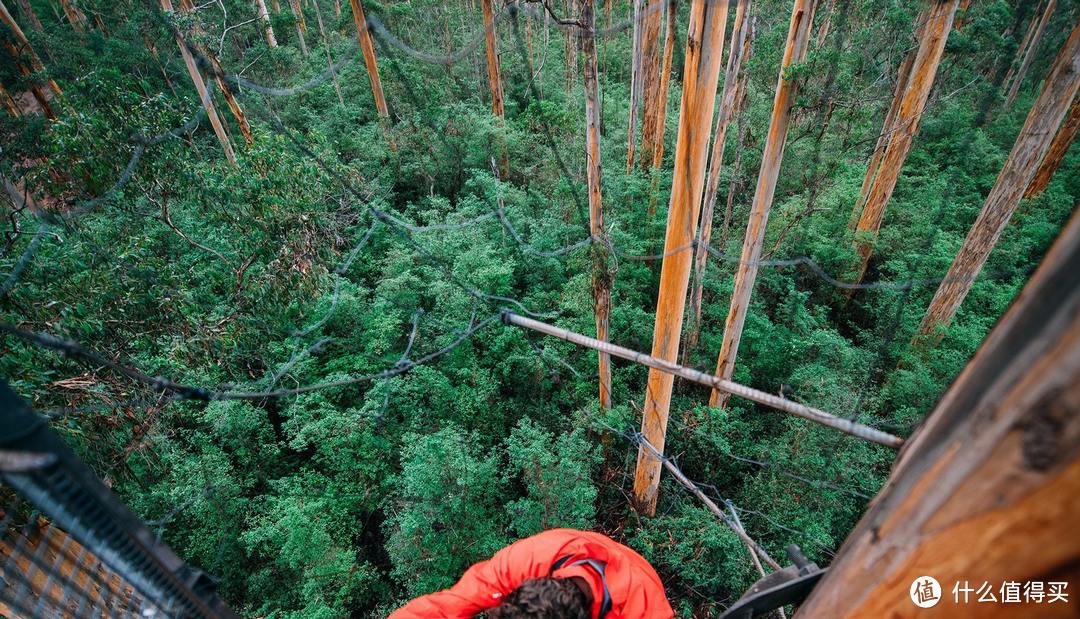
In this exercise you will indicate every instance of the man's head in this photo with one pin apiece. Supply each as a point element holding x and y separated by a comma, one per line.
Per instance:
<point>544,598</point>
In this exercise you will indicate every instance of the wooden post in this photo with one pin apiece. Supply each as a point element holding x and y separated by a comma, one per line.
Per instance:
<point>368,49</point>
<point>798,39</point>
<point>264,17</point>
<point>650,79</point>
<point>988,488</point>
<point>1058,148</point>
<point>601,274</point>
<point>728,101</point>
<point>935,30</point>
<point>704,49</point>
<point>1028,151</point>
<point>665,81</point>
<point>17,52</point>
<point>491,49</point>
<point>1029,54</point>
<point>204,95</point>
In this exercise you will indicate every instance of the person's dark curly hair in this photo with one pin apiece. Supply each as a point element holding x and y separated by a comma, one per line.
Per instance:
<point>543,598</point>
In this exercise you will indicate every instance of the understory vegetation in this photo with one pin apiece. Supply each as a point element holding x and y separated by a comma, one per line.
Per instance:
<point>342,245</point>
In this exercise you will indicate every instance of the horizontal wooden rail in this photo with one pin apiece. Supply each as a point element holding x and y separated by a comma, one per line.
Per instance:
<point>838,423</point>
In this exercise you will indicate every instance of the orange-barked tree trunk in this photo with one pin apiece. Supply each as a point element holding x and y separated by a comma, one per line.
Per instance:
<point>491,50</point>
<point>903,74</point>
<point>704,49</point>
<point>798,39</point>
<point>635,85</point>
<point>1028,151</point>
<point>665,81</point>
<point>17,53</point>
<point>301,25</point>
<point>601,273</point>
<point>1029,54</point>
<point>368,49</point>
<point>1058,148</point>
<point>264,17</point>
<point>932,36</point>
<point>219,73</point>
<point>650,79</point>
<point>728,102</point>
<point>204,94</point>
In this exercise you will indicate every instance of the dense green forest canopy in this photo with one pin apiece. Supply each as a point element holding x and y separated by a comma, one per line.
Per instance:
<point>342,244</point>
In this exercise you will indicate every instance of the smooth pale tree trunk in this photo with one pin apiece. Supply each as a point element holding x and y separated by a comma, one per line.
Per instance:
<point>326,48</point>
<point>24,49</point>
<point>1030,148</point>
<point>650,79</point>
<point>933,34</point>
<point>29,14</point>
<point>635,85</point>
<point>230,99</point>
<point>1029,55</point>
<point>1058,148</point>
<point>704,49</point>
<point>370,63</point>
<point>264,17</point>
<point>665,81</point>
<point>204,95</point>
<point>491,51</point>
<point>601,273</point>
<point>736,183</point>
<point>729,99</point>
<point>301,25</point>
<point>798,40</point>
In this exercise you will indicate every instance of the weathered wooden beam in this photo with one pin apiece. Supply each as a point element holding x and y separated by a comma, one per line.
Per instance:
<point>988,488</point>
<point>673,369</point>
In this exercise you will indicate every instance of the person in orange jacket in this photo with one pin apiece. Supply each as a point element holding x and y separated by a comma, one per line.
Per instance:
<point>561,573</point>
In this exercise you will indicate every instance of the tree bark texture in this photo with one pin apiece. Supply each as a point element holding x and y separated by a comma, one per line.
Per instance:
<point>1058,148</point>
<point>491,49</point>
<point>264,17</point>
<point>989,484</point>
<point>798,39</point>
<point>1028,151</point>
<point>729,100</point>
<point>1029,54</point>
<point>704,49</point>
<point>933,34</point>
<point>650,79</point>
<point>368,49</point>
<point>601,273</point>
<point>204,94</point>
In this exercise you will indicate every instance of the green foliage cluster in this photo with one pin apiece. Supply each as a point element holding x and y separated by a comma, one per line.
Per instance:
<point>345,501</point>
